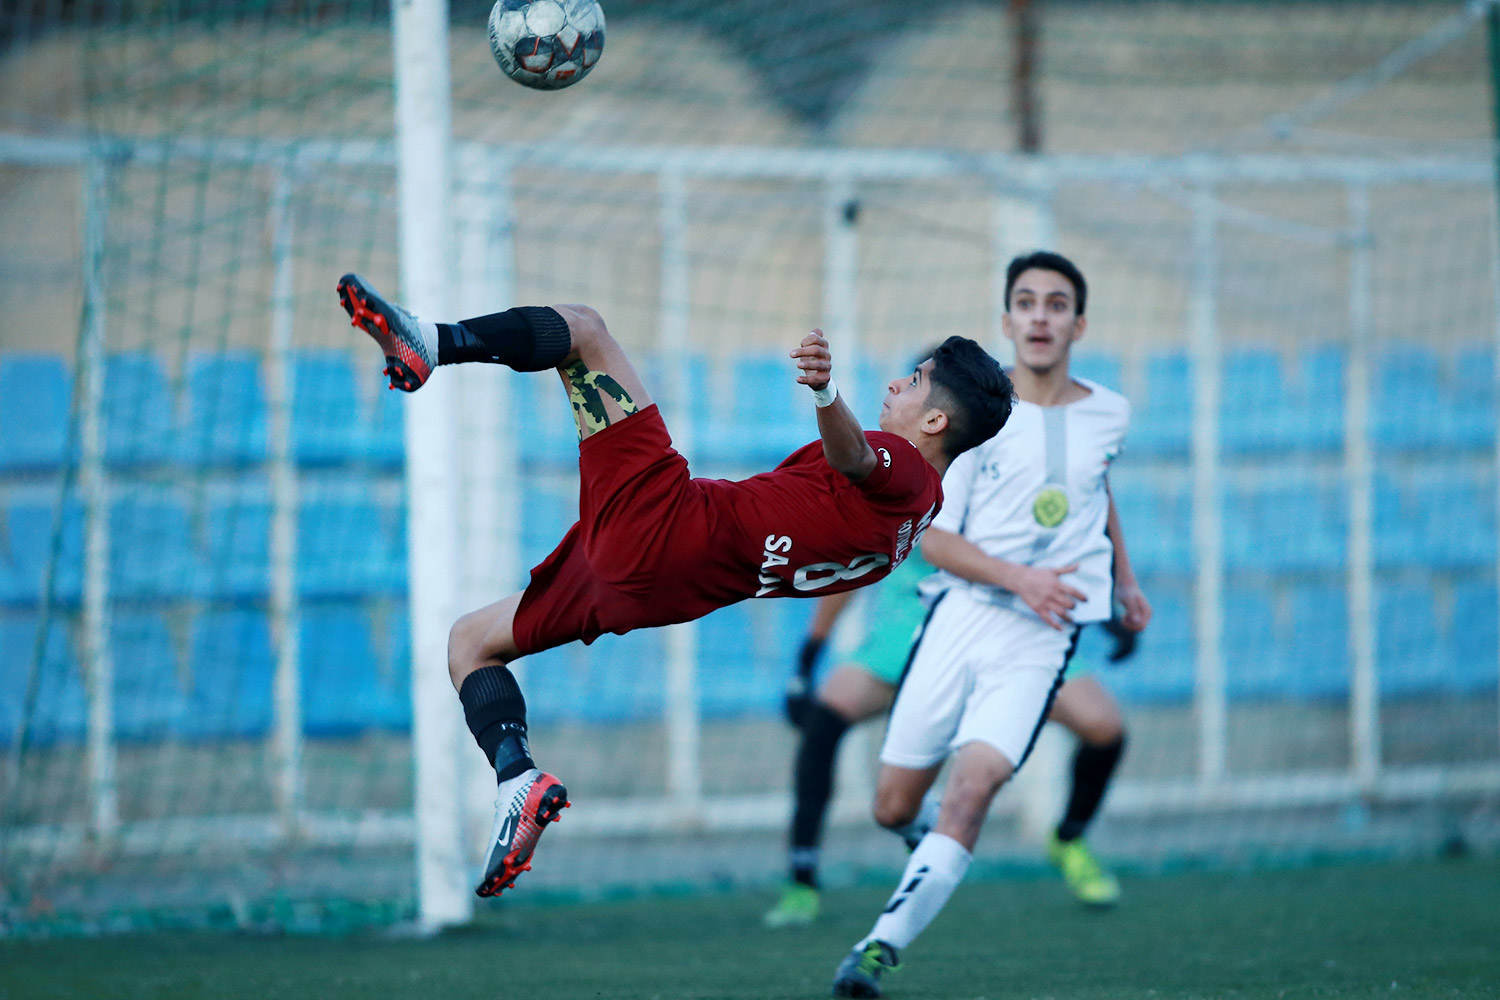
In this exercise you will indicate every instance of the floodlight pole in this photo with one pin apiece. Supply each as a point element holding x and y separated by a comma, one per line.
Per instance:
<point>424,138</point>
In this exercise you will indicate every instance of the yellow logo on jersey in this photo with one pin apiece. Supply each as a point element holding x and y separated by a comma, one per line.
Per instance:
<point>1050,507</point>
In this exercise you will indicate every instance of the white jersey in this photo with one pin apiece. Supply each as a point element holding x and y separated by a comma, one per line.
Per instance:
<point>1036,494</point>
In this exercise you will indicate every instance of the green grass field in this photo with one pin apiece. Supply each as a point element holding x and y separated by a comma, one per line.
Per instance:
<point>1428,929</point>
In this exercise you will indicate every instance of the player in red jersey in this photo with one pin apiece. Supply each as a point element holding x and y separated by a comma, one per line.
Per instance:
<point>654,546</point>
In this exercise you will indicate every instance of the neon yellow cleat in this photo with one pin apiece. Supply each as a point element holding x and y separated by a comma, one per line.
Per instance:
<point>797,907</point>
<point>1091,884</point>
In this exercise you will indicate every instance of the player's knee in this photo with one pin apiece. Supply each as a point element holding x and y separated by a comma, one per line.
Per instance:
<point>585,325</point>
<point>894,809</point>
<point>1102,728</point>
<point>465,646</point>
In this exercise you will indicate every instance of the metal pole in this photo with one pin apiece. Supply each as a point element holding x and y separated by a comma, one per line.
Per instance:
<point>1493,25</point>
<point>1024,104</point>
<point>285,612</point>
<point>423,145</point>
<point>491,492</point>
<point>684,736</point>
<point>1364,685</point>
<point>1208,541</point>
<point>98,658</point>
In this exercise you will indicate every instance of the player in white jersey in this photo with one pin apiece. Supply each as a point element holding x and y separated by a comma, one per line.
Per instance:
<point>1030,549</point>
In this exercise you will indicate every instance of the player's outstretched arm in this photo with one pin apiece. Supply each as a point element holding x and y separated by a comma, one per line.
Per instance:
<point>1127,589</point>
<point>844,443</point>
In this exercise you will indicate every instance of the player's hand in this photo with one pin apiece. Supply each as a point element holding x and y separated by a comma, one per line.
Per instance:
<point>799,691</point>
<point>815,360</point>
<point>1044,592</point>
<point>1137,609</point>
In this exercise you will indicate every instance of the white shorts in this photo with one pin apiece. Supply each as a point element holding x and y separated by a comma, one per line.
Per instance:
<point>978,672</point>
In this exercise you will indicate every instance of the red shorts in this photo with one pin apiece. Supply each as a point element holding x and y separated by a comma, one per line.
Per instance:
<point>634,488</point>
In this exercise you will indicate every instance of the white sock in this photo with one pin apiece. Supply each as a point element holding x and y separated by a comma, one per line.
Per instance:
<point>932,873</point>
<point>927,817</point>
<point>429,334</point>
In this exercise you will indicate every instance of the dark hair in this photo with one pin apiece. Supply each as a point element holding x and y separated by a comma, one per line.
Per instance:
<point>973,390</point>
<point>1046,260</point>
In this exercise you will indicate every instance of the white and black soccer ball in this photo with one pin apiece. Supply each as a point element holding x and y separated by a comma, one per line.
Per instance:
<point>547,44</point>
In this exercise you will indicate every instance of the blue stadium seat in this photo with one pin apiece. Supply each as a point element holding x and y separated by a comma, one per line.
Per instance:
<point>34,403</point>
<point>331,423</point>
<point>238,543</point>
<point>1412,654</point>
<point>60,712</point>
<point>1156,514</point>
<point>232,673</point>
<point>152,689</point>
<point>350,545</point>
<point>1252,664</point>
<point>547,436</point>
<point>1251,402</point>
<point>226,415</point>
<point>1163,419</point>
<point>151,551</point>
<point>548,510</point>
<point>139,411</point>
<point>1162,668</point>
<point>617,678</point>
<point>27,534</point>
<point>1423,400</point>
<point>1098,366</point>
<point>767,415</point>
<point>1475,635</point>
<point>1315,640</point>
<point>1315,416</point>
<point>1284,523</point>
<point>740,672</point>
<point>346,687</point>
<point>1440,517</point>
<point>1473,395</point>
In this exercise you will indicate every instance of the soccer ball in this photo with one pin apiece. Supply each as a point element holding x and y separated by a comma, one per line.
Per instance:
<point>546,44</point>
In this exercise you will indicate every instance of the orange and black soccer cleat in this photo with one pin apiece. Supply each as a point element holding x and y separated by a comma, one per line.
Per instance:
<point>409,358</point>
<point>524,806</point>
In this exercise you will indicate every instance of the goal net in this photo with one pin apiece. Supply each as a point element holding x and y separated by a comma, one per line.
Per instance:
<point>209,573</point>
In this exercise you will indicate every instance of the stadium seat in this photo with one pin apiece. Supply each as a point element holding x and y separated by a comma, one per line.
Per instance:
<point>1475,636</point>
<point>1252,661</point>
<point>350,545</point>
<point>1163,419</point>
<point>1474,395</point>
<point>232,668</point>
<point>238,543</point>
<point>618,678</point>
<point>152,689</point>
<point>1098,366</point>
<point>1283,523</point>
<point>34,403</point>
<point>1434,516</point>
<point>1423,400</point>
<point>60,711</point>
<point>1156,514</point>
<point>1412,654</point>
<point>1252,402</point>
<point>548,509</point>
<point>347,687</point>
<point>1162,668</point>
<point>539,405</point>
<point>28,533</point>
<point>736,677</point>
<point>226,415</point>
<point>758,419</point>
<point>151,551</point>
<point>139,411</point>
<point>1314,643</point>
<point>331,423</point>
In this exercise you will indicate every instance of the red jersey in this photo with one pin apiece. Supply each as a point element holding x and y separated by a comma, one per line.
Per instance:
<point>654,547</point>
<point>805,530</point>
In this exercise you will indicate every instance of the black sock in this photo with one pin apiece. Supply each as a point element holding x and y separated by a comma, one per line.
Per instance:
<point>496,714</point>
<point>1093,767</point>
<point>822,729</point>
<point>527,338</point>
